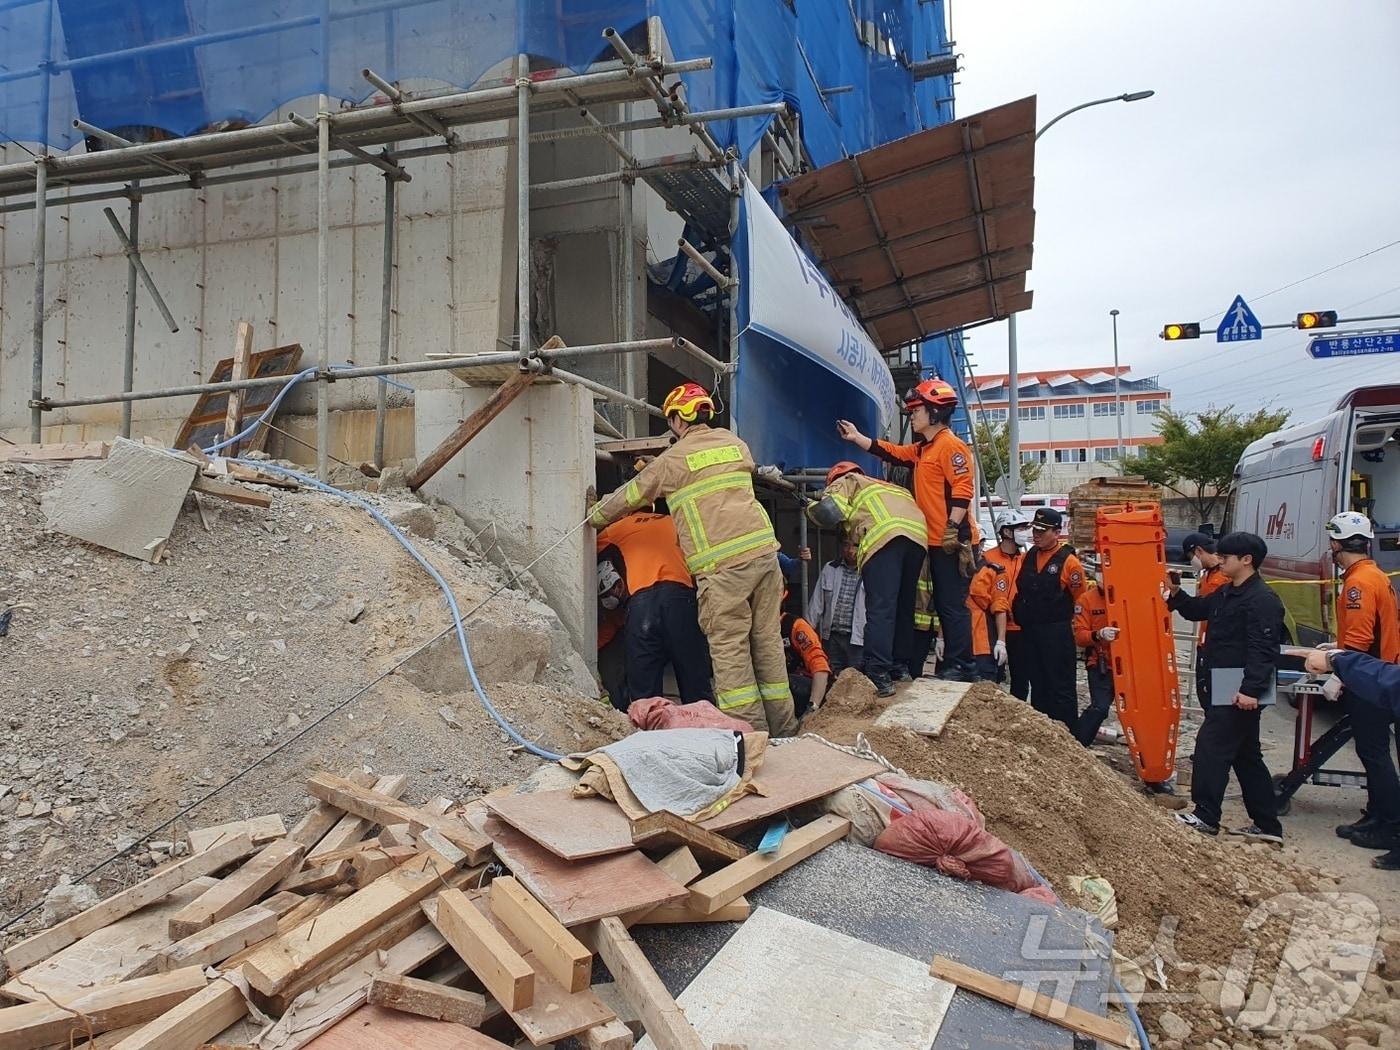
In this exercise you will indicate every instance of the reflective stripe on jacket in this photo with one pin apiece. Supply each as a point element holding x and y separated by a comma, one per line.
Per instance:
<point>876,512</point>
<point>706,478</point>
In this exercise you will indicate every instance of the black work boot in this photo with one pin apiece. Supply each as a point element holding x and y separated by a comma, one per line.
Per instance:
<point>1381,835</point>
<point>1387,861</point>
<point>884,686</point>
<point>1366,823</point>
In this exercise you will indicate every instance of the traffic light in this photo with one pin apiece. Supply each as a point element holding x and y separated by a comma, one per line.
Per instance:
<point>1318,319</point>
<point>1185,330</point>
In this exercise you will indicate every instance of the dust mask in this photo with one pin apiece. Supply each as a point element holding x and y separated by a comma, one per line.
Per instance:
<point>1196,563</point>
<point>1023,536</point>
<point>609,602</point>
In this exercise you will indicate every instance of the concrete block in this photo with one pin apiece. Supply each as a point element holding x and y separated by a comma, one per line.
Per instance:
<point>924,706</point>
<point>127,503</point>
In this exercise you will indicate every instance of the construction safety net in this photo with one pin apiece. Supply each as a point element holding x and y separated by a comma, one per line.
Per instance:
<point>149,69</point>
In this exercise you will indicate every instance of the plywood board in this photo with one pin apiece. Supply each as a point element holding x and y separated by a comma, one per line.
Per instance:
<point>375,1028</point>
<point>837,992</point>
<point>924,706</point>
<point>792,774</point>
<point>572,828</point>
<point>205,425</point>
<point>585,890</point>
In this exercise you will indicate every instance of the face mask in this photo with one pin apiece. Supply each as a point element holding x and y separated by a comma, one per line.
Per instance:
<point>609,602</point>
<point>1023,536</point>
<point>1196,563</point>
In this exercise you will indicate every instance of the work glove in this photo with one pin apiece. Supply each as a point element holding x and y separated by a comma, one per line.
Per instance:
<point>1166,592</point>
<point>1107,634</point>
<point>938,649</point>
<point>950,539</point>
<point>770,472</point>
<point>999,653</point>
<point>967,564</point>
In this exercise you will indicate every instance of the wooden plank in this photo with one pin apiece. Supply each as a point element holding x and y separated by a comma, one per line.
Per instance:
<point>232,493</point>
<point>644,991</point>
<point>736,910</point>
<point>714,891</point>
<point>572,828</point>
<point>663,826</point>
<point>318,880</point>
<point>321,817</point>
<point>39,947</point>
<point>308,908</point>
<point>582,891</point>
<point>375,1028</point>
<point>558,951</point>
<point>384,811</point>
<point>611,1036</point>
<point>351,827</point>
<point>244,887</point>
<point>213,945</point>
<point>54,453</point>
<point>426,999</point>
<point>233,414</point>
<point>261,830</point>
<point>347,853</point>
<point>681,865</point>
<point>431,839</point>
<point>275,966</point>
<point>1029,1001</point>
<point>371,864</point>
<point>504,973</point>
<point>193,1022</point>
<point>791,774</point>
<point>469,428</point>
<point>131,1002</point>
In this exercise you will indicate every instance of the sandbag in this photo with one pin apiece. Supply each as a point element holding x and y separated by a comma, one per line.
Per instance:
<point>657,712</point>
<point>955,845</point>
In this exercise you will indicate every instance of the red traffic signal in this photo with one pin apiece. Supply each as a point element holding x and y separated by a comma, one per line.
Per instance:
<point>1185,330</point>
<point>1317,319</point>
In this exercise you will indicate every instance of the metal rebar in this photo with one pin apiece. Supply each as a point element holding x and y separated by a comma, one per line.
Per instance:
<point>522,205</point>
<point>386,302</point>
<point>133,256</point>
<point>323,286</point>
<point>41,185</point>
<point>133,226</point>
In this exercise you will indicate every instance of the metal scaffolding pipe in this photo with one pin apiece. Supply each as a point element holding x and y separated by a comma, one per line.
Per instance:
<point>618,147</point>
<point>121,143</point>
<point>365,156</point>
<point>41,185</point>
<point>133,255</point>
<point>699,260</point>
<point>386,302</point>
<point>736,180</point>
<point>633,369</point>
<point>426,121</point>
<point>612,394</point>
<point>133,226</point>
<point>323,290</point>
<point>522,206</point>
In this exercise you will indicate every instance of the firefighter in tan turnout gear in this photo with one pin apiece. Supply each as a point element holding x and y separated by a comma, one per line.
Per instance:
<point>706,478</point>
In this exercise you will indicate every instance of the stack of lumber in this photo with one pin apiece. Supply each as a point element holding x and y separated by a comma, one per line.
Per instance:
<point>375,921</point>
<point>1086,499</point>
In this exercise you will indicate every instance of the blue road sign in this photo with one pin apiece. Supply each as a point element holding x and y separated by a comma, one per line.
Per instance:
<point>1354,345</point>
<point>1239,324</point>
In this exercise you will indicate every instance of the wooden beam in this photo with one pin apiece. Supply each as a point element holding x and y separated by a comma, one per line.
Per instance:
<point>681,865</point>
<point>320,818</point>
<point>560,953</point>
<point>1028,1000</point>
<point>308,908</point>
<point>318,880</point>
<point>192,1023</point>
<point>469,428</point>
<point>55,453</point>
<point>261,830</point>
<point>736,910</point>
<point>246,886</point>
<point>242,353</point>
<point>36,949</point>
<point>272,968</point>
<point>611,1036</point>
<point>213,945</point>
<point>383,810</point>
<point>729,883</point>
<point>500,968</point>
<point>116,1006</point>
<point>352,827</point>
<point>232,493</point>
<point>426,999</point>
<point>661,825</point>
<point>371,864</point>
<point>644,991</point>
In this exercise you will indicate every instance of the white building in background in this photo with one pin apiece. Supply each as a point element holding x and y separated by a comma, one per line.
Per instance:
<point>1069,420</point>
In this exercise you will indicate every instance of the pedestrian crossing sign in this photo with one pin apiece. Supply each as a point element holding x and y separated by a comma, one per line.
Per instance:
<point>1239,324</point>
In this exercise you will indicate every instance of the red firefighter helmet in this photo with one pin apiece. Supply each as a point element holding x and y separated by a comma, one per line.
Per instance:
<point>840,470</point>
<point>935,394</point>
<point>687,401</point>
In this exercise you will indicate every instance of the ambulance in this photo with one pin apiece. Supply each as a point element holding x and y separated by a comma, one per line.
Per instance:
<point>1289,483</point>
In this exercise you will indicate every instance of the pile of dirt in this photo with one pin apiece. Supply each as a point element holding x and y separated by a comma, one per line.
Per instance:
<point>133,689</point>
<point>1191,901</point>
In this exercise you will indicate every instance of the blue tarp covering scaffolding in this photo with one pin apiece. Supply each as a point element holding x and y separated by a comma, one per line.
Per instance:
<point>182,66</point>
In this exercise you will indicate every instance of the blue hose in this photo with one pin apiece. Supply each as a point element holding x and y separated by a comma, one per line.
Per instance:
<point>1117,984</point>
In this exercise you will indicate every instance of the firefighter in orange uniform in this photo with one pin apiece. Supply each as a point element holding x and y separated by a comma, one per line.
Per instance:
<point>1050,582</point>
<point>989,603</point>
<point>943,489</point>
<point>809,670</point>
<point>1367,622</point>
<point>706,478</point>
<point>1199,549</point>
<point>1094,635</point>
<point>1013,537</point>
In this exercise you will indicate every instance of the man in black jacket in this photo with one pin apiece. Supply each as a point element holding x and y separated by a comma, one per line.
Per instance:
<point>1244,627</point>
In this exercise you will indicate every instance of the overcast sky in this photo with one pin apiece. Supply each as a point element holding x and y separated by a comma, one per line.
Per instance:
<point>1271,151</point>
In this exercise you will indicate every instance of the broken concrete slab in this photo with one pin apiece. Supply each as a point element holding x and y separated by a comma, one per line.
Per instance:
<point>127,503</point>
<point>924,706</point>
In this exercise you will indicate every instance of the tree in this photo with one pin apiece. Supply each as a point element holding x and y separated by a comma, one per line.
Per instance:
<point>993,455</point>
<point>1198,453</point>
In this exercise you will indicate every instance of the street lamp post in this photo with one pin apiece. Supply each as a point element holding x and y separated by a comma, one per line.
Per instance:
<point>1117,390</point>
<point>1013,378</point>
